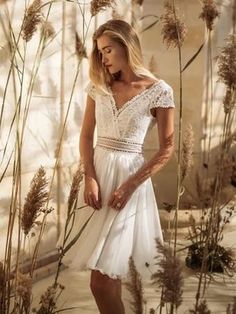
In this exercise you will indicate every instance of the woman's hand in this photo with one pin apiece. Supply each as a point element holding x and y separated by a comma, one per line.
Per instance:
<point>120,197</point>
<point>92,194</point>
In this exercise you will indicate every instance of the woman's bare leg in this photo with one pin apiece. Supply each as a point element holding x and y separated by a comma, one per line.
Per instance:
<point>107,293</point>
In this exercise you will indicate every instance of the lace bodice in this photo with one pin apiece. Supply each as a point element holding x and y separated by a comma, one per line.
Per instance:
<point>134,119</point>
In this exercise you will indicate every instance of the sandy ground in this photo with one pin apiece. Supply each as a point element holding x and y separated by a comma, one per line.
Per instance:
<point>77,291</point>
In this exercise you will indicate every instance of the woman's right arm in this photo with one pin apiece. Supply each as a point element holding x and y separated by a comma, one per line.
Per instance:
<point>92,191</point>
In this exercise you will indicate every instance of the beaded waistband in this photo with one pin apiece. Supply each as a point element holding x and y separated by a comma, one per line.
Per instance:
<point>119,145</point>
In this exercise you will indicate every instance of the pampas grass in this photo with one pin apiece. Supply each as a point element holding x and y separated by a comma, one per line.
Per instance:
<point>187,153</point>
<point>32,19</point>
<point>35,201</point>
<point>173,29</point>
<point>168,276</point>
<point>135,287</point>
<point>97,6</point>
<point>209,13</point>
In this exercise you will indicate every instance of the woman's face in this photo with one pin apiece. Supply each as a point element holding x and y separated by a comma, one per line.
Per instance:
<point>113,55</point>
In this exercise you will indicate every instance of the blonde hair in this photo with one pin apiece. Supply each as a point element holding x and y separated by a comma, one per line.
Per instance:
<point>121,32</point>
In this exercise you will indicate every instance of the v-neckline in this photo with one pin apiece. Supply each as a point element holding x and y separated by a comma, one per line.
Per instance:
<point>126,103</point>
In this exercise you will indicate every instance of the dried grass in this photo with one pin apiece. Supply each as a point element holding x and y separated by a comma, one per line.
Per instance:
<point>227,63</point>
<point>97,6</point>
<point>79,47</point>
<point>32,19</point>
<point>35,201</point>
<point>202,308</point>
<point>209,13</point>
<point>169,275</point>
<point>24,290</point>
<point>134,286</point>
<point>187,152</point>
<point>173,29</point>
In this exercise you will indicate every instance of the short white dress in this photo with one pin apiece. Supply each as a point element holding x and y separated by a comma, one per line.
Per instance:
<point>112,236</point>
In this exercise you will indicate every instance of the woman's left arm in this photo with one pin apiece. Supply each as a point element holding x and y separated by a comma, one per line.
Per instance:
<point>165,127</point>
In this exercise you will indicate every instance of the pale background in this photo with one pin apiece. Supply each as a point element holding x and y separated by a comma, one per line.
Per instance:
<point>48,107</point>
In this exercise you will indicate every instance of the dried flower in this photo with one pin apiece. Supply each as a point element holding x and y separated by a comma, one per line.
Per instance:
<point>35,200</point>
<point>47,29</point>
<point>24,289</point>
<point>49,298</point>
<point>79,47</point>
<point>169,275</point>
<point>201,309</point>
<point>138,2</point>
<point>209,13</point>
<point>173,29</point>
<point>100,5</point>
<point>75,186</point>
<point>31,20</point>
<point>227,63</point>
<point>187,157</point>
<point>231,310</point>
<point>134,286</point>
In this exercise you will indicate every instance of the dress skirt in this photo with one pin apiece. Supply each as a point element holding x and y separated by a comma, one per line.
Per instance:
<point>112,236</point>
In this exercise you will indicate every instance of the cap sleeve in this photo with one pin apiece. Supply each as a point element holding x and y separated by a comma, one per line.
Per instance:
<point>165,99</point>
<point>90,89</point>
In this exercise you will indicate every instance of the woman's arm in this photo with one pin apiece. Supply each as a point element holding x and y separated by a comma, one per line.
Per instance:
<point>86,138</point>
<point>165,124</point>
<point>92,194</point>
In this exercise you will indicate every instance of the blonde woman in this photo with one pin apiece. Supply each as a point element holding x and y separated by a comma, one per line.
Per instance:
<point>124,101</point>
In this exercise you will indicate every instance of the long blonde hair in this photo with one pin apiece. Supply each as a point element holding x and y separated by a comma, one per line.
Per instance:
<point>121,32</point>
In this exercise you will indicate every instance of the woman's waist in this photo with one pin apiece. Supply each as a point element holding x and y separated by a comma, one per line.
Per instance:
<point>118,144</point>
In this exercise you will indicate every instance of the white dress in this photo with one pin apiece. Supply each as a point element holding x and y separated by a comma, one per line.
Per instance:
<point>112,236</point>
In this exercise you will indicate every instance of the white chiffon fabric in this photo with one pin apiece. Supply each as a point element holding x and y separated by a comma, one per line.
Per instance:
<point>112,236</point>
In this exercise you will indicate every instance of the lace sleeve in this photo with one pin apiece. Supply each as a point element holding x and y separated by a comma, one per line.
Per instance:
<point>165,99</point>
<point>90,89</point>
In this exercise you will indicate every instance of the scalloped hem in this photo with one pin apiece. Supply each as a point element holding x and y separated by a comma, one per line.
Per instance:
<point>112,276</point>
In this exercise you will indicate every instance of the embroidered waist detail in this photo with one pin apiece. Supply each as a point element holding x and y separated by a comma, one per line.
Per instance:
<point>119,145</point>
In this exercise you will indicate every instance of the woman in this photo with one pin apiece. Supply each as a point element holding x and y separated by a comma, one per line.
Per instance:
<point>124,101</point>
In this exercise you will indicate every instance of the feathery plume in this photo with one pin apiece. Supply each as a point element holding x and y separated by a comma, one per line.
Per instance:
<point>227,62</point>
<point>169,275</point>
<point>79,47</point>
<point>78,177</point>
<point>134,286</point>
<point>32,18</point>
<point>24,289</point>
<point>173,29</point>
<point>48,299</point>
<point>187,157</point>
<point>209,13</point>
<point>138,2</point>
<point>47,29</point>
<point>231,310</point>
<point>35,200</point>
<point>202,308</point>
<point>100,5</point>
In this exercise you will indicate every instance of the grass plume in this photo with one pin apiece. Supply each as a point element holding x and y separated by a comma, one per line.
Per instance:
<point>227,62</point>
<point>173,29</point>
<point>97,6</point>
<point>134,286</point>
<point>209,13</point>
<point>79,47</point>
<point>35,200</point>
<point>187,154</point>
<point>169,275</point>
<point>32,18</point>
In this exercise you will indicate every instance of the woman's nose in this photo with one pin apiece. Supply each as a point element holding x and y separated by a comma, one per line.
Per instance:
<point>104,59</point>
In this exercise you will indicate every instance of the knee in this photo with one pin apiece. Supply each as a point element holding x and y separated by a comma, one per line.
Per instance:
<point>100,285</point>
